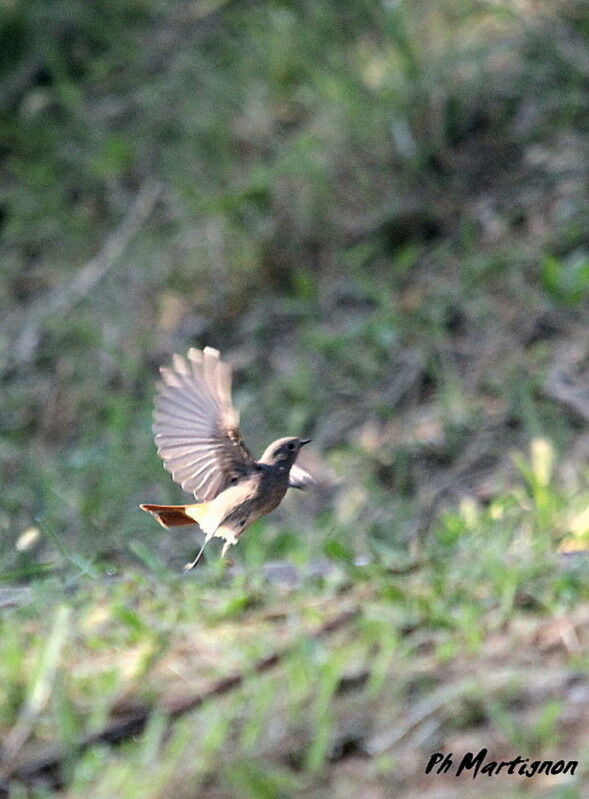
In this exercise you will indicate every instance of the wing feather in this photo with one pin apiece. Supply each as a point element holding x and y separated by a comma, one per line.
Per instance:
<point>195,425</point>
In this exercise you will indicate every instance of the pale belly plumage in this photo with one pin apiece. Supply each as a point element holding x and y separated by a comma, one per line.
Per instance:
<point>239,506</point>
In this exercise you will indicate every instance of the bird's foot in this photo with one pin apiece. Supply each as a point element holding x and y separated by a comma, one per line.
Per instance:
<point>228,543</point>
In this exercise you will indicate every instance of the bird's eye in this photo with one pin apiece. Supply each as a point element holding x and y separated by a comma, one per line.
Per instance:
<point>290,446</point>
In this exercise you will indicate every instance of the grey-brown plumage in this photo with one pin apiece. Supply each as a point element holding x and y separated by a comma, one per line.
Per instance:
<point>197,436</point>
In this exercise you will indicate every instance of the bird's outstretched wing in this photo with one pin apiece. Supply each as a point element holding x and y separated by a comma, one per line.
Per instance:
<point>196,426</point>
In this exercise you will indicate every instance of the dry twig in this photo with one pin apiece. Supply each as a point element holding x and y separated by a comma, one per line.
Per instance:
<point>22,349</point>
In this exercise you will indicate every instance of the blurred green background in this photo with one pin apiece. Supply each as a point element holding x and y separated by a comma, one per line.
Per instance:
<point>376,210</point>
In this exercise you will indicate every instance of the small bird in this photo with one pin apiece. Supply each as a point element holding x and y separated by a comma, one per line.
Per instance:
<point>197,436</point>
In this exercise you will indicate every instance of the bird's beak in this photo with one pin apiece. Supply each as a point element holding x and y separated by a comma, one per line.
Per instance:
<point>304,441</point>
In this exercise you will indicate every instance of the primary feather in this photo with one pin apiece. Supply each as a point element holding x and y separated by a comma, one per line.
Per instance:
<point>195,426</point>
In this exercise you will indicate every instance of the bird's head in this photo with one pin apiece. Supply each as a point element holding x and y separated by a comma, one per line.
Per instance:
<point>283,451</point>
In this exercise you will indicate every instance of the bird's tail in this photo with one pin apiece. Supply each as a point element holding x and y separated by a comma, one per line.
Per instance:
<point>177,515</point>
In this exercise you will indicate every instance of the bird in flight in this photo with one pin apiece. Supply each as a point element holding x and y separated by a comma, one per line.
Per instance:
<point>197,436</point>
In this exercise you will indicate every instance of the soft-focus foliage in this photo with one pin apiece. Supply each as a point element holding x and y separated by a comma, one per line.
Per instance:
<point>376,209</point>
<point>378,212</point>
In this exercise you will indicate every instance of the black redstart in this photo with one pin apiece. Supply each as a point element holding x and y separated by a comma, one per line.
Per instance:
<point>197,437</point>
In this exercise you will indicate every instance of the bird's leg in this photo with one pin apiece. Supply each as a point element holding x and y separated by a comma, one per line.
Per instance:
<point>190,566</point>
<point>230,539</point>
<point>226,546</point>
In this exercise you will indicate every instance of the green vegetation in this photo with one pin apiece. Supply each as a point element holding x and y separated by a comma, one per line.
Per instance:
<point>378,212</point>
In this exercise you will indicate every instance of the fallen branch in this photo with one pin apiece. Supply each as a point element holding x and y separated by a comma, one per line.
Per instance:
<point>47,764</point>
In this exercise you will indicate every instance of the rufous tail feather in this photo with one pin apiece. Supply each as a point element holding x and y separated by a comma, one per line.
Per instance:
<point>176,515</point>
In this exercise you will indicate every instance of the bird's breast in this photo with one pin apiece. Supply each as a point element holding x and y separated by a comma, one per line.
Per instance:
<point>272,487</point>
